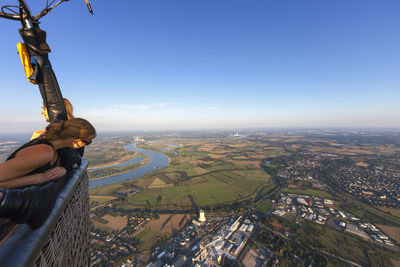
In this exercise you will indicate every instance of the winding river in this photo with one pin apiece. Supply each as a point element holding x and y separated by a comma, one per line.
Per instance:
<point>132,161</point>
<point>157,161</point>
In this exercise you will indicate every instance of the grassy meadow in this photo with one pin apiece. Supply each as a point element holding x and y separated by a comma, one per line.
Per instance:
<point>207,172</point>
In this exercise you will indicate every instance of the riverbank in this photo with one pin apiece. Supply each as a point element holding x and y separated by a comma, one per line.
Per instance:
<point>157,161</point>
<point>113,163</point>
<point>126,168</point>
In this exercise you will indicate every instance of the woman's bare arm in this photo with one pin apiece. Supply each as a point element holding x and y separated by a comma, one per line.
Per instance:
<point>26,160</point>
<point>37,178</point>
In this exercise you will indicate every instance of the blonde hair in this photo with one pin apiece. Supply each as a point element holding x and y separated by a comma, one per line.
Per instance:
<point>76,128</point>
<point>68,108</point>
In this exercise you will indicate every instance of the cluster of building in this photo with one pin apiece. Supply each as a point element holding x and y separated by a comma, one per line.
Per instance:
<point>305,207</point>
<point>107,247</point>
<point>184,244</point>
<point>297,168</point>
<point>375,186</point>
<point>110,247</point>
<point>216,242</point>
<point>319,210</point>
<point>371,183</point>
<point>226,244</point>
<point>375,234</point>
<point>138,139</point>
<point>137,223</point>
<point>7,146</point>
<point>178,251</point>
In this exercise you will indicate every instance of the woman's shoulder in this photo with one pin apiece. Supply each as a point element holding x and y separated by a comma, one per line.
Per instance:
<point>40,149</point>
<point>39,145</point>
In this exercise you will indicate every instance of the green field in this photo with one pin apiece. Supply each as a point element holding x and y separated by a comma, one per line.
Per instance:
<point>142,233</point>
<point>150,237</point>
<point>108,152</point>
<point>100,223</point>
<point>345,245</point>
<point>218,187</point>
<point>208,172</point>
<point>101,199</point>
<point>265,206</point>
<point>310,192</point>
<point>105,190</point>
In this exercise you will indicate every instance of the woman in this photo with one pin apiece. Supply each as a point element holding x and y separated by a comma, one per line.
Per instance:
<point>36,162</point>
<point>70,158</point>
<point>70,115</point>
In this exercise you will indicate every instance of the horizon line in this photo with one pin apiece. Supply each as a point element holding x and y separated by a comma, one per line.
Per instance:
<point>238,129</point>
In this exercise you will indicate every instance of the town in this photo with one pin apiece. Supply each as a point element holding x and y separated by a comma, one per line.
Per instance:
<point>371,183</point>
<point>319,208</point>
<point>226,240</point>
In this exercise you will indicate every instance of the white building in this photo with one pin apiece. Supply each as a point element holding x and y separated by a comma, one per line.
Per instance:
<point>202,216</point>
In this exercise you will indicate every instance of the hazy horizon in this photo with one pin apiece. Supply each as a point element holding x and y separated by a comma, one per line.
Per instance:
<point>232,130</point>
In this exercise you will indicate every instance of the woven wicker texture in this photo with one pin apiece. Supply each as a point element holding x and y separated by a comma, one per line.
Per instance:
<point>68,244</point>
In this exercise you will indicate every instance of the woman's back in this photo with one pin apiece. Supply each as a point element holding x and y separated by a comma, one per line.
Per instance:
<point>37,141</point>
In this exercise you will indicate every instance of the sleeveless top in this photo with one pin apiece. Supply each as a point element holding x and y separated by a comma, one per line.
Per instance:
<point>37,141</point>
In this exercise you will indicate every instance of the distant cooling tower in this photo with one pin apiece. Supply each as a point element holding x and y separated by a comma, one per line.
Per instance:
<point>202,217</point>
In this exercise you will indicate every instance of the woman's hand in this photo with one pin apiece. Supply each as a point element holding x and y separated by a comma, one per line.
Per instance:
<point>53,173</point>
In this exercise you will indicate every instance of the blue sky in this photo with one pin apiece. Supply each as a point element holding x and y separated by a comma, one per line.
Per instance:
<point>158,64</point>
